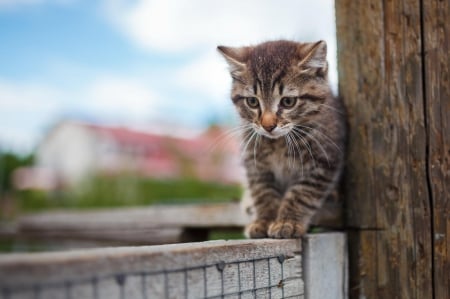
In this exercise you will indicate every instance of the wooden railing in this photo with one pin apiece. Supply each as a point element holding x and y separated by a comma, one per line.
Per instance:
<point>142,225</point>
<point>314,267</point>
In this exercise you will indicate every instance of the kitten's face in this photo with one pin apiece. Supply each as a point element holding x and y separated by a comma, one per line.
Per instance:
<point>278,85</point>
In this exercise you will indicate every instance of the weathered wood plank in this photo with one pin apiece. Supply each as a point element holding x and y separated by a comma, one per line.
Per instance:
<point>245,267</point>
<point>360,33</point>
<point>380,69</point>
<point>325,266</point>
<point>189,215</point>
<point>148,225</point>
<point>436,30</point>
<point>115,236</point>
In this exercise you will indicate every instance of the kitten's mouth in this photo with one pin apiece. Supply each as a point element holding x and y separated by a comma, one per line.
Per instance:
<point>275,133</point>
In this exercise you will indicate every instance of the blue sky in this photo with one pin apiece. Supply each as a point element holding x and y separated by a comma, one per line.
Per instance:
<point>135,63</point>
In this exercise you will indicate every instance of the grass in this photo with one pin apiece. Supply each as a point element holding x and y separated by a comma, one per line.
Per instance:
<point>129,191</point>
<point>226,235</point>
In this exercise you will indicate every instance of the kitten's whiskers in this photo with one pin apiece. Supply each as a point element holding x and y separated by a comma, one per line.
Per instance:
<point>252,135</point>
<point>330,141</point>
<point>305,142</point>
<point>225,137</point>
<point>295,147</point>
<point>299,130</point>
<point>255,145</point>
<point>290,150</point>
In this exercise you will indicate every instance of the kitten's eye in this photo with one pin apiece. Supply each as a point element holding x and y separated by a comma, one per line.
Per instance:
<point>252,102</point>
<point>288,102</point>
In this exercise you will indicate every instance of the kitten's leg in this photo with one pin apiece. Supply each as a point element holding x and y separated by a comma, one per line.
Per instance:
<point>300,203</point>
<point>266,200</point>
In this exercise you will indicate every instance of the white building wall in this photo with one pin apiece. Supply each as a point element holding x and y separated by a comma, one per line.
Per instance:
<point>69,152</point>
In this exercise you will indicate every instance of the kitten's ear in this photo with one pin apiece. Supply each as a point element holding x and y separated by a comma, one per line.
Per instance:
<point>236,58</point>
<point>314,58</point>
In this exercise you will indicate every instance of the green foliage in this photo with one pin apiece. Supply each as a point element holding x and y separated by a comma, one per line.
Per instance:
<point>8,163</point>
<point>129,191</point>
<point>226,235</point>
<point>6,246</point>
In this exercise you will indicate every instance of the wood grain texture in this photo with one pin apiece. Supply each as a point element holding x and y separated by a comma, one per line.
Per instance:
<point>264,268</point>
<point>148,225</point>
<point>167,271</point>
<point>436,36</point>
<point>389,87</point>
<point>325,267</point>
<point>188,215</point>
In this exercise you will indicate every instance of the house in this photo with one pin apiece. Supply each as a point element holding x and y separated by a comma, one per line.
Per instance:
<point>73,151</point>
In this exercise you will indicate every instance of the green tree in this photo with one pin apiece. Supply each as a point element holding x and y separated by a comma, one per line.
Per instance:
<point>10,161</point>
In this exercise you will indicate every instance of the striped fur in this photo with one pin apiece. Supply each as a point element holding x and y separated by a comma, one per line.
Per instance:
<point>293,132</point>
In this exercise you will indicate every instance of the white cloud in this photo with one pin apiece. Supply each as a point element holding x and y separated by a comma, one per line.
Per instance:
<point>185,26</point>
<point>107,95</point>
<point>20,140</point>
<point>25,109</point>
<point>26,97</point>
<point>122,98</point>
<point>207,75</point>
<point>177,25</point>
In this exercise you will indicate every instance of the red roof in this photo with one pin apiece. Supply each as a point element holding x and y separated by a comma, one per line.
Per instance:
<point>127,136</point>
<point>161,154</point>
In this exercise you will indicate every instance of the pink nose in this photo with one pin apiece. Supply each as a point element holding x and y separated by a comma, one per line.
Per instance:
<point>269,121</point>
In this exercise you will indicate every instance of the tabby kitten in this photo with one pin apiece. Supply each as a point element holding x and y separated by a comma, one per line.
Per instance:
<point>293,132</point>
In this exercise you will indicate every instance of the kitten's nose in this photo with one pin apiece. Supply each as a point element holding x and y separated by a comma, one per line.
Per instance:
<point>269,121</point>
<point>269,128</point>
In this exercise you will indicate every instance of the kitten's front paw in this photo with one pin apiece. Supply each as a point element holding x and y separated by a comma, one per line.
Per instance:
<point>286,229</point>
<point>257,229</point>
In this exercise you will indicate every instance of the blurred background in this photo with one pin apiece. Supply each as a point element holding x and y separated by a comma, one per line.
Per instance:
<point>126,103</point>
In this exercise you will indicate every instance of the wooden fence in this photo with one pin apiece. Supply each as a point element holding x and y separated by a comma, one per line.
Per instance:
<point>313,268</point>
<point>139,225</point>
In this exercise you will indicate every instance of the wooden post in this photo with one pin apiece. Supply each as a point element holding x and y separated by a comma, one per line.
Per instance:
<point>394,78</point>
<point>436,47</point>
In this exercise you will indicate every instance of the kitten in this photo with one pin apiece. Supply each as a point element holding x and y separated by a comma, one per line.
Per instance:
<point>293,132</point>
